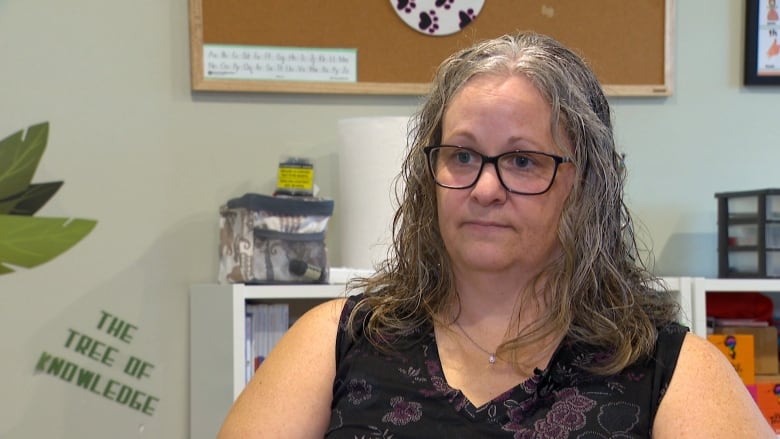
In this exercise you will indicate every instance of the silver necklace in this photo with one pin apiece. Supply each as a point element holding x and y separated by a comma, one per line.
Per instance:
<point>491,355</point>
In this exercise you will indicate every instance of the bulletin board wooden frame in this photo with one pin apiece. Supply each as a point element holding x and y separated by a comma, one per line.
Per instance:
<point>628,44</point>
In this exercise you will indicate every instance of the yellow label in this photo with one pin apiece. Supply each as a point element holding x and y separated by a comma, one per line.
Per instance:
<point>295,177</point>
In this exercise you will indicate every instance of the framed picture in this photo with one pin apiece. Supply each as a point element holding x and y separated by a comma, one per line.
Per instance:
<point>762,46</point>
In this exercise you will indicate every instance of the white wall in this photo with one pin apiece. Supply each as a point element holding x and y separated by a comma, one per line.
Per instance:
<point>152,162</point>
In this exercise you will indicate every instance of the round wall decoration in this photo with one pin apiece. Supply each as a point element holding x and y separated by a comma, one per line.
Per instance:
<point>437,17</point>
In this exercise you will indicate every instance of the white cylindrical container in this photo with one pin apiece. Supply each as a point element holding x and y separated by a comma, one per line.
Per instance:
<point>370,154</point>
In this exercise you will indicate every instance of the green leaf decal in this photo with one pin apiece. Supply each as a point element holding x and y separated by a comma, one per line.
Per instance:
<point>19,157</point>
<point>32,199</point>
<point>30,241</point>
<point>27,241</point>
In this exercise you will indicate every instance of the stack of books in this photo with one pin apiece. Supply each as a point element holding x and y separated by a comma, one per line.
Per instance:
<point>265,325</point>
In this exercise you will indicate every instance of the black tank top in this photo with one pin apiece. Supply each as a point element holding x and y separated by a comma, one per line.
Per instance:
<point>404,394</point>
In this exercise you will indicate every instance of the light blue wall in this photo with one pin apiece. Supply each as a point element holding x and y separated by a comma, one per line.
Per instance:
<point>152,163</point>
<point>713,135</point>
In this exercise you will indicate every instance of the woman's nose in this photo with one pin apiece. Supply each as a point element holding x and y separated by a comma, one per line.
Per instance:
<point>488,188</point>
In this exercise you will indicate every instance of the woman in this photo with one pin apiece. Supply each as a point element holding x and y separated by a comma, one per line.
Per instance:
<point>514,303</point>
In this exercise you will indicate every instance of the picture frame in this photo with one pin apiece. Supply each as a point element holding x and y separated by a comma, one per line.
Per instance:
<point>762,42</point>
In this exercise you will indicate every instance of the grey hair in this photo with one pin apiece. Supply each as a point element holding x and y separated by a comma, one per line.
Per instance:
<point>599,290</point>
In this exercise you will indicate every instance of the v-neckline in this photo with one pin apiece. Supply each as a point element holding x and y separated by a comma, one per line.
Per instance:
<point>527,386</point>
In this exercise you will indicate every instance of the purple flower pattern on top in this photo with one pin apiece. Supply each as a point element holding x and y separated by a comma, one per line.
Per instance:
<point>618,417</point>
<point>358,391</point>
<point>566,415</point>
<point>403,412</point>
<point>406,394</point>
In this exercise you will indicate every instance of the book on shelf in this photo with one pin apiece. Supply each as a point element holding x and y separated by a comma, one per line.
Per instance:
<point>248,341</point>
<point>265,325</point>
<point>720,321</point>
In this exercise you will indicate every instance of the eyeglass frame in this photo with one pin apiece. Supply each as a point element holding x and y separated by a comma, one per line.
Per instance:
<point>494,160</point>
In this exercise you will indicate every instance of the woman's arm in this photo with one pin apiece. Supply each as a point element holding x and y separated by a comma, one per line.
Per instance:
<point>706,398</point>
<point>290,393</point>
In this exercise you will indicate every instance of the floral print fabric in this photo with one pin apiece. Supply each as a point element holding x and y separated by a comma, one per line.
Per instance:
<point>404,394</point>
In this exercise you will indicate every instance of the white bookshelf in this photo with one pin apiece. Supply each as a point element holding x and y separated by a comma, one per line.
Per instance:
<point>682,289</point>
<point>217,342</point>
<point>700,287</point>
<point>217,332</point>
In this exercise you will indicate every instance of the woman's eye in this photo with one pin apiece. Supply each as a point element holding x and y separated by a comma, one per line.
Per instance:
<point>463,157</point>
<point>521,161</point>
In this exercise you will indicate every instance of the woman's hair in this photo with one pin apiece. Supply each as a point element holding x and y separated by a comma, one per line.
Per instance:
<point>598,291</point>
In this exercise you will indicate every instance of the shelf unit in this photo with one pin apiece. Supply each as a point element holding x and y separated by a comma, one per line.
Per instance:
<point>217,333</point>
<point>682,289</point>
<point>703,285</point>
<point>217,319</point>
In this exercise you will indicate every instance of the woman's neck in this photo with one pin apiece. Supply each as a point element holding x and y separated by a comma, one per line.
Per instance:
<point>496,299</point>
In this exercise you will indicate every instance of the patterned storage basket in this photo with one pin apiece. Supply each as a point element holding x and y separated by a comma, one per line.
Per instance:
<point>265,239</point>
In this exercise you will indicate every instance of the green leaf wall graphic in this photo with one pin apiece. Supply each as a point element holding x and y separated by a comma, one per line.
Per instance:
<point>28,241</point>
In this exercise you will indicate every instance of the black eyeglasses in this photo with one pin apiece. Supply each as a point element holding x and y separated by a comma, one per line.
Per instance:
<point>520,172</point>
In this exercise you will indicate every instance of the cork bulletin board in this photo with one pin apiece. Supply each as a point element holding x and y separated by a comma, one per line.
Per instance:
<point>628,43</point>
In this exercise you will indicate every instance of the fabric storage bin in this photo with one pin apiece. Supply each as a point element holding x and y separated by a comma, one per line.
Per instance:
<point>274,239</point>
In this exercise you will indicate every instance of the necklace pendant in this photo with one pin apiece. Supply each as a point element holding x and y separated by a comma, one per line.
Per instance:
<point>492,359</point>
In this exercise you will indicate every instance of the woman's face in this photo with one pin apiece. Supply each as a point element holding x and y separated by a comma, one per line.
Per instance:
<point>484,227</point>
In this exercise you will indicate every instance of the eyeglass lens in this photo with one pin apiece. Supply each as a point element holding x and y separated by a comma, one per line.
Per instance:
<point>524,172</point>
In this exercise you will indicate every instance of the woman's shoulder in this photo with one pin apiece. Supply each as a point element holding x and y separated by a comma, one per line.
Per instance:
<point>322,318</point>
<point>301,363</point>
<point>706,397</point>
